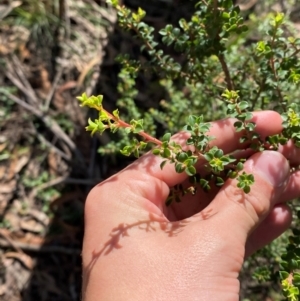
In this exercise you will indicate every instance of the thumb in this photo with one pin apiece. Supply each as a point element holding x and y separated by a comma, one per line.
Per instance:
<point>241,212</point>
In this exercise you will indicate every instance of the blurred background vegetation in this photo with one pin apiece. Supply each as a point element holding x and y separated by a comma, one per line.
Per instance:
<point>50,52</point>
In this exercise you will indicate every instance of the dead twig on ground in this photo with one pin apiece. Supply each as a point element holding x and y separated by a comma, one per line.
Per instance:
<point>49,122</point>
<point>53,88</point>
<point>60,180</point>
<point>64,16</point>
<point>44,141</point>
<point>23,84</point>
<point>91,64</point>
<point>5,9</point>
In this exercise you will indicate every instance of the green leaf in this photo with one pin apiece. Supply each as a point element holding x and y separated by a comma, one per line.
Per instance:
<point>283,274</point>
<point>243,105</point>
<point>232,174</point>
<point>225,16</point>
<point>228,159</point>
<point>128,130</point>
<point>204,127</point>
<point>127,150</point>
<point>179,167</point>
<point>239,126</point>
<point>156,152</point>
<point>163,163</point>
<point>219,181</point>
<point>91,101</point>
<point>246,189</point>
<point>136,152</point>
<point>195,178</point>
<point>208,156</point>
<point>239,166</point>
<point>91,126</point>
<point>166,137</point>
<point>166,153</point>
<point>116,113</point>
<point>190,161</point>
<point>137,126</point>
<point>219,153</point>
<point>232,28</point>
<point>245,116</point>
<point>250,126</point>
<point>181,157</point>
<point>103,116</point>
<point>296,279</point>
<point>169,201</point>
<point>243,139</point>
<point>190,170</point>
<point>114,3</point>
<point>278,19</point>
<point>95,126</point>
<point>191,120</point>
<point>83,98</point>
<point>143,145</point>
<point>205,185</point>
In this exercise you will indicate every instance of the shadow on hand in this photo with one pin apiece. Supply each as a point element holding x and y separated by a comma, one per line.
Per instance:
<point>122,231</point>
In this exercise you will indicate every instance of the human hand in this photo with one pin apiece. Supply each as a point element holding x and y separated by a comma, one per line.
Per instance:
<point>136,248</point>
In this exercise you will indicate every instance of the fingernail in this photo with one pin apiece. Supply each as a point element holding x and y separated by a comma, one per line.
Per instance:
<point>272,166</point>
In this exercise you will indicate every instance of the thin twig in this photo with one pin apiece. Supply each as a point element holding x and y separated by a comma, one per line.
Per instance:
<point>225,69</point>
<point>51,146</point>
<point>20,72</point>
<point>93,82</point>
<point>60,180</point>
<point>87,25</point>
<point>17,66</point>
<point>9,74</point>
<point>7,8</point>
<point>272,65</point>
<point>124,124</point>
<point>258,94</point>
<point>54,86</point>
<point>89,66</point>
<point>65,17</point>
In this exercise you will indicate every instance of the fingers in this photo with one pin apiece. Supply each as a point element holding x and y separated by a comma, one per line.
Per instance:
<point>277,222</point>
<point>292,189</point>
<point>243,213</point>
<point>291,152</point>
<point>226,138</point>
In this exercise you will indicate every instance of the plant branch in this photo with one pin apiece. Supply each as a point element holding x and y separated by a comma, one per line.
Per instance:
<point>261,87</point>
<point>225,69</point>
<point>123,124</point>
